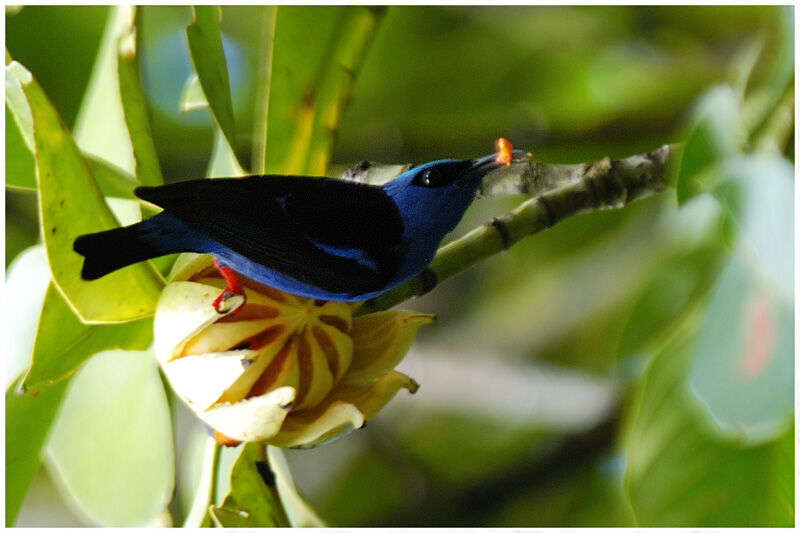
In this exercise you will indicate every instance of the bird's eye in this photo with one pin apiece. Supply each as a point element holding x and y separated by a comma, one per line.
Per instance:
<point>430,177</point>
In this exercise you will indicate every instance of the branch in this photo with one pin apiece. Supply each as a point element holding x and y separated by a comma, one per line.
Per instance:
<point>559,192</point>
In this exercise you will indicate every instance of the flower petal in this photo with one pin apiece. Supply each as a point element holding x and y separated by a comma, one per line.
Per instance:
<point>256,371</point>
<point>370,398</point>
<point>188,264</point>
<point>223,336</point>
<point>183,310</point>
<point>345,409</point>
<point>257,418</point>
<point>201,379</point>
<point>337,347</point>
<point>316,380</point>
<point>381,340</point>
<point>324,423</point>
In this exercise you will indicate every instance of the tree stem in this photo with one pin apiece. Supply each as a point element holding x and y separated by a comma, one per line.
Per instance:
<point>560,191</point>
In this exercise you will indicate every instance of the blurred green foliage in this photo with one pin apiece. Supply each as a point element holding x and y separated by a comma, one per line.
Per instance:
<point>631,301</point>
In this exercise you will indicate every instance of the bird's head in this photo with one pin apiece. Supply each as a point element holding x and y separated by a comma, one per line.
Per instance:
<point>431,198</point>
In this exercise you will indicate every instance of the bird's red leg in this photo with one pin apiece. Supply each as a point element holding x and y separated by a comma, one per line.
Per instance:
<point>232,287</point>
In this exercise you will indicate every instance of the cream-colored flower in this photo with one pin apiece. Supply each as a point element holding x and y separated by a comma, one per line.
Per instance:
<point>286,370</point>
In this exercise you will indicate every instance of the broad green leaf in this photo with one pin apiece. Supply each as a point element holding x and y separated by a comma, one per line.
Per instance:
<point>744,360</point>
<point>28,420</point>
<point>71,204</point>
<point>682,473</point>
<point>717,131</point>
<point>27,279</point>
<point>100,125</point>
<point>64,343</point>
<point>253,500</point>
<point>743,367</point>
<point>20,169</point>
<point>134,105</point>
<point>113,181</point>
<point>192,96</point>
<point>208,57</point>
<point>20,164</point>
<point>316,53</point>
<point>758,192</point>
<point>111,447</point>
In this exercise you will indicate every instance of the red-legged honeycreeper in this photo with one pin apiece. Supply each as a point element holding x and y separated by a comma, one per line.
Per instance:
<point>321,238</point>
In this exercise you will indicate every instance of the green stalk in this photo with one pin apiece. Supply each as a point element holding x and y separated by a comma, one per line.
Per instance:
<point>570,189</point>
<point>207,486</point>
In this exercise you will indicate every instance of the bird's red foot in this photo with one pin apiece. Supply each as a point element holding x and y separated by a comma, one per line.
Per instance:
<point>232,288</point>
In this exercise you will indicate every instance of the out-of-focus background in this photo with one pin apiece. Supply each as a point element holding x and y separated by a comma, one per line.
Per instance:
<point>540,403</point>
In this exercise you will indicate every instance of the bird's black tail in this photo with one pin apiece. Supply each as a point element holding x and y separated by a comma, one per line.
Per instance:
<point>110,250</point>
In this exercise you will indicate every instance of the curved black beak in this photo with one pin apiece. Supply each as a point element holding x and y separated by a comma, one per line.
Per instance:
<point>481,166</point>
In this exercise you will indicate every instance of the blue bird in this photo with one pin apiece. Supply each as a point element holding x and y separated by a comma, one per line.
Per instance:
<point>321,238</point>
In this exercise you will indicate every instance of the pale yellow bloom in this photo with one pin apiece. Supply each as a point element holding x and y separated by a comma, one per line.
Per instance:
<point>285,370</point>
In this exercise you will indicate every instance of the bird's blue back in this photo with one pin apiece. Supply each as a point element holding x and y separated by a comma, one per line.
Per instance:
<point>428,214</point>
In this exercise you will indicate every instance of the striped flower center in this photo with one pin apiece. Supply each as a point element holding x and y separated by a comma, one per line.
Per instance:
<point>288,341</point>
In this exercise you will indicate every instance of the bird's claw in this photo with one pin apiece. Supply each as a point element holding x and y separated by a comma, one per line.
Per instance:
<point>233,293</point>
<point>228,302</point>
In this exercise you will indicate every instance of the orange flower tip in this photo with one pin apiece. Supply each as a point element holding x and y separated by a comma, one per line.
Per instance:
<point>226,440</point>
<point>504,151</point>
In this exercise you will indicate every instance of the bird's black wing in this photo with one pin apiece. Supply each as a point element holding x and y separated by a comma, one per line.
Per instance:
<point>340,236</point>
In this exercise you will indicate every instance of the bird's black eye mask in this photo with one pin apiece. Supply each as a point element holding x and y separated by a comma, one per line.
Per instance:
<point>441,175</point>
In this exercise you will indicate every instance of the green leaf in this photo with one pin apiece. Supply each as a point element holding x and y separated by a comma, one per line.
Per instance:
<point>70,204</point>
<point>741,67</point>
<point>264,77</point>
<point>681,473</point>
<point>744,363</point>
<point>111,448</point>
<point>64,343</point>
<point>716,132</point>
<point>113,181</point>
<point>134,105</point>
<point>16,102</point>
<point>192,96</point>
<point>208,58</point>
<point>758,192</point>
<point>316,53</point>
<point>223,162</point>
<point>20,169</point>
<point>27,279</point>
<point>28,421</point>
<point>253,499</point>
<point>758,105</point>
<point>743,367</point>
<point>100,125</point>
